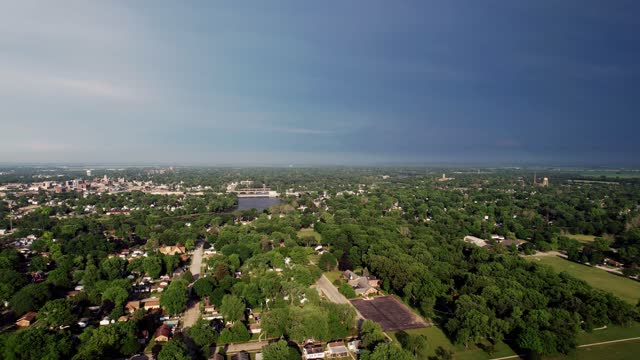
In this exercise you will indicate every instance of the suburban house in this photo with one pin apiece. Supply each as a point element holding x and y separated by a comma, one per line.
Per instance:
<point>151,303</point>
<point>172,250</point>
<point>508,243</point>
<point>163,333</point>
<point>132,306</point>
<point>243,355</point>
<point>476,241</point>
<point>354,346</point>
<point>26,319</point>
<point>337,349</point>
<point>363,285</point>
<point>255,328</point>
<point>209,308</point>
<point>313,352</point>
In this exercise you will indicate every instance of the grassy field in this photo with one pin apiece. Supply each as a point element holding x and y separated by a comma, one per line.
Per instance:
<point>310,232</point>
<point>608,334</point>
<point>626,289</point>
<point>587,238</point>
<point>333,275</point>
<point>617,351</point>
<point>436,338</point>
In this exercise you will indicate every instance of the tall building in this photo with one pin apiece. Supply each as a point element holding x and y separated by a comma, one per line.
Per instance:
<point>89,172</point>
<point>545,182</point>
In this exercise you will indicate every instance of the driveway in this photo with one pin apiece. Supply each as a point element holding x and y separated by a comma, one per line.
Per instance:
<point>330,291</point>
<point>333,294</point>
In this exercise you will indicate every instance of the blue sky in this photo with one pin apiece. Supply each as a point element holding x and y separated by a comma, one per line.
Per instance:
<point>330,82</point>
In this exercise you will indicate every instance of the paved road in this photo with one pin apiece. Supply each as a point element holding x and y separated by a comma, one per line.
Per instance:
<point>196,262</point>
<point>192,314</point>
<point>333,294</point>
<point>330,291</point>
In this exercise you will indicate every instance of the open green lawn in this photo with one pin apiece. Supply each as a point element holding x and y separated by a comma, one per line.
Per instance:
<point>581,237</point>
<point>310,232</point>
<point>587,238</point>
<point>333,275</point>
<point>627,289</point>
<point>436,338</point>
<point>617,351</point>
<point>610,333</point>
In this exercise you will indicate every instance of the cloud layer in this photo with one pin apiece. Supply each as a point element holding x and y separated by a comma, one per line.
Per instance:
<point>354,82</point>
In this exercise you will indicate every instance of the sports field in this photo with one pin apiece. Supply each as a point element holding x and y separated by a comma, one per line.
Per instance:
<point>626,289</point>
<point>389,312</point>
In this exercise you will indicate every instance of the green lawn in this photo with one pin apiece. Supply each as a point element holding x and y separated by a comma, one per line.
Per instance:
<point>616,351</point>
<point>333,275</point>
<point>581,237</point>
<point>608,334</point>
<point>627,289</point>
<point>587,238</point>
<point>310,232</point>
<point>436,338</point>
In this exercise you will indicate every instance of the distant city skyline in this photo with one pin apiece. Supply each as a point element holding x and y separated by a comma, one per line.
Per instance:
<point>320,83</point>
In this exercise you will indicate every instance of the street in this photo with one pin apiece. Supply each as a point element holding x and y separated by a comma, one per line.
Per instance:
<point>333,294</point>
<point>192,314</point>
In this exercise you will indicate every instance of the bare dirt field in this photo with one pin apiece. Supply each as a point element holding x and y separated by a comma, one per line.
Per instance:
<point>390,313</point>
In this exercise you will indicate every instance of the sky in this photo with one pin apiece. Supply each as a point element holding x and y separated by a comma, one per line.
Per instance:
<point>320,82</point>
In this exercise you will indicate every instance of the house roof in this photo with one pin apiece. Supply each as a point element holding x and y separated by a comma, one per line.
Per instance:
<point>28,316</point>
<point>135,304</point>
<point>163,330</point>
<point>350,275</point>
<point>152,303</point>
<point>337,347</point>
<point>313,349</point>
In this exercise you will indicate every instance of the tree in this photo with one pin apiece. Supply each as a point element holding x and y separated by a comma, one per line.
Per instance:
<point>299,255</point>
<point>188,276</point>
<point>204,287</point>
<point>152,266</point>
<point>36,344</point>
<point>190,244</point>
<point>232,308</point>
<point>116,295</point>
<point>112,268</point>
<point>91,275</point>
<point>237,333</point>
<point>371,334</point>
<point>175,349</point>
<point>56,313</point>
<point>60,278</point>
<point>171,262</point>
<point>39,263</point>
<point>10,282</point>
<point>417,344</point>
<point>174,298</point>
<point>30,297</point>
<point>385,351</point>
<point>327,262</point>
<point>202,335</point>
<point>279,351</point>
<point>347,290</point>
<point>108,341</point>
<point>443,354</point>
